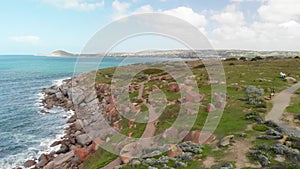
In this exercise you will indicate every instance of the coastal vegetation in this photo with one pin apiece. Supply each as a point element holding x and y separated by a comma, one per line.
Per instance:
<point>249,85</point>
<point>242,139</point>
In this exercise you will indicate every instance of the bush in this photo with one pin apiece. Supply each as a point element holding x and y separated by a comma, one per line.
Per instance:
<point>231,59</point>
<point>254,96</point>
<point>260,127</point>
<point>243,58</point>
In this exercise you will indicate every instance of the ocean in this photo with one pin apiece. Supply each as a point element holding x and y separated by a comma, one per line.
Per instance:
<point>24,132</point>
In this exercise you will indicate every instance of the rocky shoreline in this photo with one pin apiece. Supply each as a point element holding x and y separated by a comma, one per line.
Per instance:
<point>77,145</point>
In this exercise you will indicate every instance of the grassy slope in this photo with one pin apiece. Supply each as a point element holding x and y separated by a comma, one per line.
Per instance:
<point>243,73</point>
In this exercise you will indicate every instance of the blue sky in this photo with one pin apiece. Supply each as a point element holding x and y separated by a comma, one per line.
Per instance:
<point>42,26</point>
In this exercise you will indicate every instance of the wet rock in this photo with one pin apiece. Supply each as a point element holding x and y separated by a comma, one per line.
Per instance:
<point>29,163</point>
<point>72,119</point>
<point>43,160</point>
<point>63,149</point>
<point>56,143</point>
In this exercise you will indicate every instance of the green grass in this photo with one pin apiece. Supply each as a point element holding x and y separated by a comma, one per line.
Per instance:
<point>260,127</point>
<point>295,105</point>
<point>232,121</point>
<point>99,159</point>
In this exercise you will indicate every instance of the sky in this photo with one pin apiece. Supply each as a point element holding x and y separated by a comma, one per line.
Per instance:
<point>42,26</point>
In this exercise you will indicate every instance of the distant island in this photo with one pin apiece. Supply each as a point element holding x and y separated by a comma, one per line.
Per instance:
<point>188,54</point>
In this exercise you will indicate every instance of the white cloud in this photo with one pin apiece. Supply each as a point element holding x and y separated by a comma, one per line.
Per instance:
<point>80,5</point>
<point>274,26</point>
<point>230,17</point>
<point>30,39</point>
<point>271,31</point>
<point>188,15</point>
<point>280,10</point>
<point>144,9</point>
<point>120,7</point>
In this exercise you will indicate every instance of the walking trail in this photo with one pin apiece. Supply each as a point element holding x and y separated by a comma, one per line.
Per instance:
<point>280,102</point>
<point>148,132</point>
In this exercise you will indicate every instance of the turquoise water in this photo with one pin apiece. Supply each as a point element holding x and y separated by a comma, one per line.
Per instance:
<point>24,132</point>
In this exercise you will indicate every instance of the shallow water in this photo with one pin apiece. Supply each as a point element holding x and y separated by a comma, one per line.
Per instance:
<point>24,132</point>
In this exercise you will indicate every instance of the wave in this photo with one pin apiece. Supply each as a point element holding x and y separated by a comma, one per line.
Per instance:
<point>34,151</point>
<point>59,82</point>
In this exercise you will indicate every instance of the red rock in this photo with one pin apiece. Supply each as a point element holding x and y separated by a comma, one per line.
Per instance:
<point>174,151</point>
<point>29,163</point>
<point>165,83</point>
<point>131,123</point>
<point>194,97</point>
<point>210,108</point>
<point>96,144</point>
<point>82,153</point>
<point>197,136</point>
<point>173,87</point>
<point>129,152</point>
<point>154,87</point>
<point>238,89</point>
<point>130,134</point>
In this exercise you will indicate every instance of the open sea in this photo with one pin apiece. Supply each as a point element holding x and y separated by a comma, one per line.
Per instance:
<point>24,132</point>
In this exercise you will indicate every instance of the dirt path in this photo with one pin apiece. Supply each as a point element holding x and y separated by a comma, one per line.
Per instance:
<point>149,130</point>
<point>280,102</point>
<point>238,153</point>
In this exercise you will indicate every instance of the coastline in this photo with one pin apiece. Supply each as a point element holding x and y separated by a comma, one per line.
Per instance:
<point>75,144</point>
